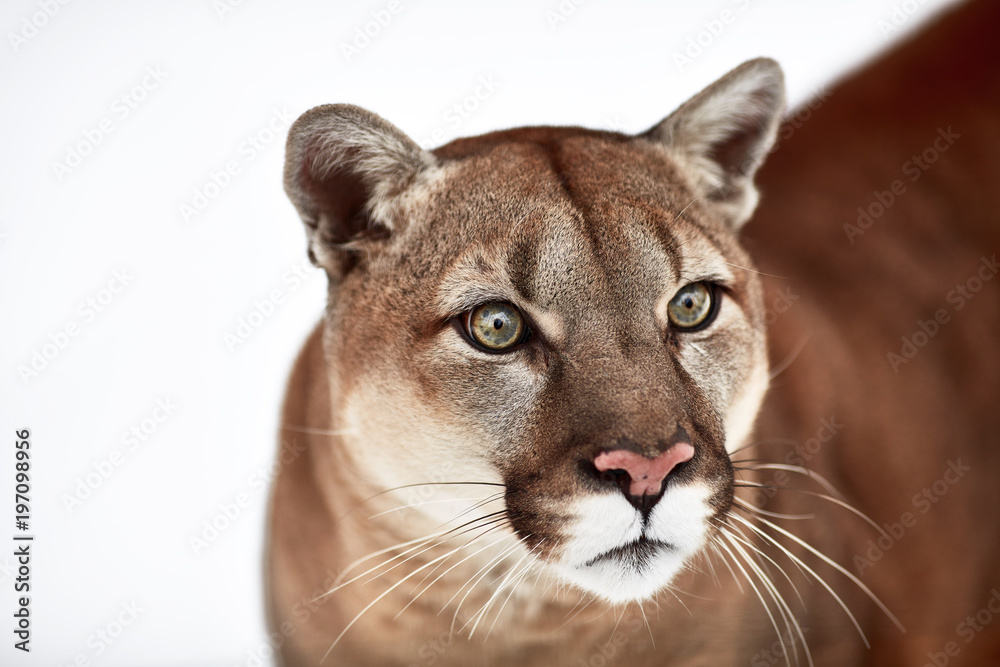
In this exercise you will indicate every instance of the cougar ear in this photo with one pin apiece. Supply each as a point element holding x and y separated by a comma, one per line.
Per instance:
<point>345,169</point>
<point>721,135</point>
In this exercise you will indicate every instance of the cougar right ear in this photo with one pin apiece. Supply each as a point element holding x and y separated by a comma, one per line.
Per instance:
<point>345,169</point>
<point>722,135</point>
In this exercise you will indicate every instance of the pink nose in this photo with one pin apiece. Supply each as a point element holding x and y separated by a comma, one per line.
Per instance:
<point>646,474</point>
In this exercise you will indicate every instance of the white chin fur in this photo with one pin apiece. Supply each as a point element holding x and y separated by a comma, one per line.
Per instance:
<point>606,522</point>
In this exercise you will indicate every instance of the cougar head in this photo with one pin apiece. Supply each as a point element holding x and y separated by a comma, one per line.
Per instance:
<point>564,312</point>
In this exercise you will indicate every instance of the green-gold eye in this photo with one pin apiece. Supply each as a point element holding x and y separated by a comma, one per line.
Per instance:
<point>495,326</point>
<point>692,307</point>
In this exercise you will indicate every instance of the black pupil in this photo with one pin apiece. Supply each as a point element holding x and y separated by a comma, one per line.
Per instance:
<point>689,302</point>
<point>498,324</point>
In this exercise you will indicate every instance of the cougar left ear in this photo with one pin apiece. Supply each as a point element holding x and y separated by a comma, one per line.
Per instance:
<point>345,169</point>
<point>722,135</point>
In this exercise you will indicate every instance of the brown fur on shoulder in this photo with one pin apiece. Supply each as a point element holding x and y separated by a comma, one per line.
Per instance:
<point>881,211</point>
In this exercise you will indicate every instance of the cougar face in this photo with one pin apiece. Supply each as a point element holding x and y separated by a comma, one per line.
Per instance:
<point>556,325</point>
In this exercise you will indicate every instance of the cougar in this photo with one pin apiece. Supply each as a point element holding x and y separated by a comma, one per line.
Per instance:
<point>561,410</point>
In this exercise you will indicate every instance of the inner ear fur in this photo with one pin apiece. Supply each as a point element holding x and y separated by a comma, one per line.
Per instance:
<point>721,136</point>
<point>345,169</point>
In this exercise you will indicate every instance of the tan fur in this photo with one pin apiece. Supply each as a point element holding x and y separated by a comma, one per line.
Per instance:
<point>391,415</point>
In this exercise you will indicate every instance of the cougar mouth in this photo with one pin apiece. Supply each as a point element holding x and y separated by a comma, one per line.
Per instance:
<point>636,555</point>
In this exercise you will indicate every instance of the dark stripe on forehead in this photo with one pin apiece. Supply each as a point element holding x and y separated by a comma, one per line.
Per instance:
<point>554,153</point>
<point>522,263</point>
<point>524,260</point>
<point>609,193</point>
<point>708,234</point>
<point>596,227</point>
<point>670,245</point>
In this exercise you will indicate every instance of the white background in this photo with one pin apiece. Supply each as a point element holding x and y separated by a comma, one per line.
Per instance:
<point>226,75</point>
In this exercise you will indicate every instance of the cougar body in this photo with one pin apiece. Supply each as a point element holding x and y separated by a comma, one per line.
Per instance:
<point>565,409</point>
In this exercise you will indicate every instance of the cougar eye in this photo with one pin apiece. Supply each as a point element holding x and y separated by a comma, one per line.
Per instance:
<point>495,327</point>
<point>692,307</point>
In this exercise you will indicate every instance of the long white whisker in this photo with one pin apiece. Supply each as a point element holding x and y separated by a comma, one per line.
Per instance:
<point>808,569</point>
<point>358,505</point>
<point>857,582</point>
<point>690,204</point>
<point>811,474</point>
<point>840,503</point>
<point>420,544</point>
<point>747,268</point>
<point>649,629</point>
<point>758,443</point>
<point>615,629</point>
<point>783,610</point>
<point>777,515</point>
<point>581,605</point>
<point>486,524</point>
<point>742,537</point>
<point>763,603</point>
<point>316,431</point>
<point>779,601</point>
<point>416,545</point>
<point>482,503</point>
<point>671,589</point>
<point>474,581</point>
<point>711,568</point>
<point>382,595</point>
<point>443,574</point>
<point>715,545</point>
<point>515,583</point>
<point>422,503</point>
<point>789,360</point>
<point>836,501</point>
<point>499,590</point>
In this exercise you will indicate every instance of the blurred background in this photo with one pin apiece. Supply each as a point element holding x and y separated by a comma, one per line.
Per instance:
<point>153,283</point>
